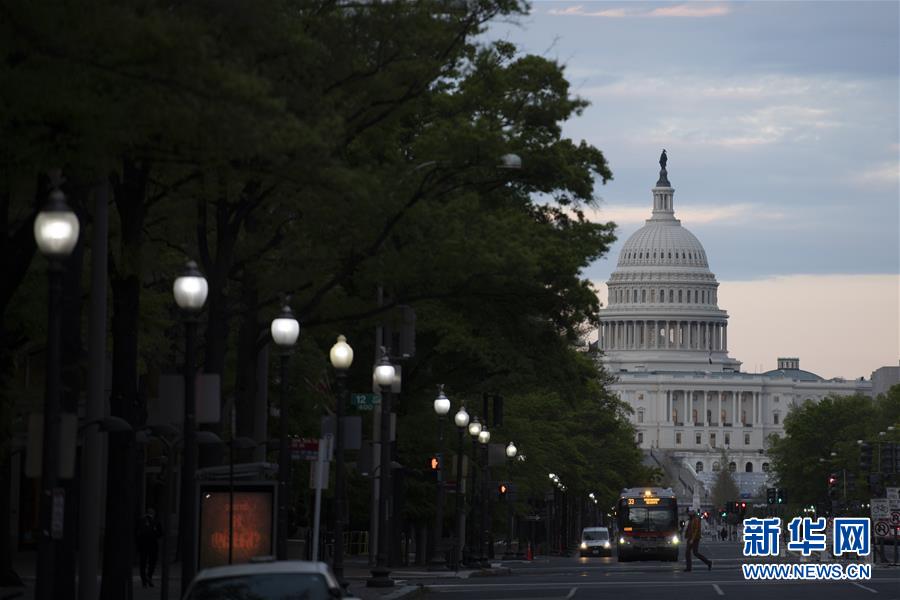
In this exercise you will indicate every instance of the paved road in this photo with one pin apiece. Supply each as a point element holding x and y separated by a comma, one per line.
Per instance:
<point>584,578</point>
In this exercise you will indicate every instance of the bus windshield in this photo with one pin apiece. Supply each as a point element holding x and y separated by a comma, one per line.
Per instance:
<point>641,518</point>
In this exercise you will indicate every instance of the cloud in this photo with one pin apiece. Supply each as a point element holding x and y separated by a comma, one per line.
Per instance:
<point>758,127</point>
<point>731,214</point>
<point>691,10</point>
<point>678,10</point>
<point>887,173</point>
<point>744,87</point>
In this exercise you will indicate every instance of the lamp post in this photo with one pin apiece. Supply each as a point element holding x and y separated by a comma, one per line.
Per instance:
<point>55,233</point>
<point>384,377</point>
<point>190,290</point>
<point>341,356</point>
<point>441,409</point>
<point>474,431</point>
<point>285,331</point>
<point>511,452</point>
<point>461,420</point>
<point>484,539</point>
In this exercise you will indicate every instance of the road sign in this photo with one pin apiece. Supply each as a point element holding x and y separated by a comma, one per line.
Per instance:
<point>304,448</point>
<point>882,529</point>
<point>880,509</point>
<point>364,401</point>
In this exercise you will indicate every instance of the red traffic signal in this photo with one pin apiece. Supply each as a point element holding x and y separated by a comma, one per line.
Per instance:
<point>706,515</point>
<point>743,506</point>
<point>435,463</point>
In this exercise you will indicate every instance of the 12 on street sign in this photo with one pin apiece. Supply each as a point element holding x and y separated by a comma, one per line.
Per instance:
<point>364,401</point>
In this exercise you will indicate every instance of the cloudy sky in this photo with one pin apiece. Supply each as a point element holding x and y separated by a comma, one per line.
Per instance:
<point>781,124</point>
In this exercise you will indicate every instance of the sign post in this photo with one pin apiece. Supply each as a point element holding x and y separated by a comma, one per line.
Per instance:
<point>321,472</point>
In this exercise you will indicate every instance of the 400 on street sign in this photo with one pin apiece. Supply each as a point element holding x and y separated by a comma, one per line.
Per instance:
<point>364,401</point>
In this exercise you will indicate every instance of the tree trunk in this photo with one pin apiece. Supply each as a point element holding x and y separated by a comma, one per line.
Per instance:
<point>17,248</point>
<point>246,371</point>
<point>121,500</point>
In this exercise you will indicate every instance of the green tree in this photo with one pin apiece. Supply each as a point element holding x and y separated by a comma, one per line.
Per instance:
<point>802,458</point>
<point>724,488</point>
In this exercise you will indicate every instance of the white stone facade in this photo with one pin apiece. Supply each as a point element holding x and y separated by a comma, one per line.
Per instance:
<point>665,338</point>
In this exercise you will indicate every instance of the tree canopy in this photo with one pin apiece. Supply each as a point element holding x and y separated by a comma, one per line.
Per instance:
<point>803,459</point>
<point>321,151</point>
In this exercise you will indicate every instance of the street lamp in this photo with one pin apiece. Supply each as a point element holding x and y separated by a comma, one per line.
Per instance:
<point>484,437</point>
<point>474,432</point>
<point>461,420</point>
<point>384,377</point>
<point>190,291</point>
<point>441,409</point>
<point>55,233</point>
<point>285,331</point>
<point>511,452</point>
<point>341,356</point>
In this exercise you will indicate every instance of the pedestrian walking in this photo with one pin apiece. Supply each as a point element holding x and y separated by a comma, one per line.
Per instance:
<point>147,535</point>
<point>692,540</point>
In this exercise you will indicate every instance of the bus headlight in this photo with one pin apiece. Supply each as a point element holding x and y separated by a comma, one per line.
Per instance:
<point>622,540</point>
<point>583,546</point>
<point>606,544</point>
<point>674,539</point>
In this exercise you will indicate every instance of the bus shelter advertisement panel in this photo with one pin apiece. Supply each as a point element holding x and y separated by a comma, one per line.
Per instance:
<point>252,526</point>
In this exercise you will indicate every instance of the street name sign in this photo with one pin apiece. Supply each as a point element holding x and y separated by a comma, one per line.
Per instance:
<point>364,401</point>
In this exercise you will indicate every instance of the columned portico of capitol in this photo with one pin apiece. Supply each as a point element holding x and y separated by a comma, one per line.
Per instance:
<point>665,339</point>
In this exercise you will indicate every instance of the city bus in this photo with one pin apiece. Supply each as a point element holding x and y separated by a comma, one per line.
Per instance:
<point>647,520</point>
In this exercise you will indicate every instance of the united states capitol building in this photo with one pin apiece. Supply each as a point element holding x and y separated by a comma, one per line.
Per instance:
<point>665,338</point>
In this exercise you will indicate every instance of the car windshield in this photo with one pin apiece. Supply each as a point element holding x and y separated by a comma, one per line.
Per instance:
<point>263,586</point>
<point>651,519</point>
<point>589,536</point>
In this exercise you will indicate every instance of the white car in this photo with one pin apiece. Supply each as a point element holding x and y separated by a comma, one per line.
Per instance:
<point>266,580</point>
<point>595,540</point>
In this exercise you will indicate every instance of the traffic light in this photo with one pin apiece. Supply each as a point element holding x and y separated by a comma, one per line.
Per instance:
<point>887,458</point>
<point>781,496</point>
<point>743,509</point>
<point>435,462</point>
<point>771,495</point>
<point>502,490</point>
<point>706,515</point>
<point>723,513</point>
<point>897,458</point>
<point>832,486</point>
<point>876,485</point>
<point>865,456</point>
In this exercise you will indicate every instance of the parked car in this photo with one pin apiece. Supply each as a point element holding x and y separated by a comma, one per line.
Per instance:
<point>266,579</point>
<point>595,541</point>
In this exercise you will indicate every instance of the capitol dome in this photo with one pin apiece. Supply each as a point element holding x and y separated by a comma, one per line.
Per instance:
<point>663,243</point>
<point>662,311</point>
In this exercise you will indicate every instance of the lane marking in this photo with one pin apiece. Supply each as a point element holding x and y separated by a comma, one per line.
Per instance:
<point>571,593</point>
<point>868,589</point>
<point>718,589</point>
<point>561,586</point>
